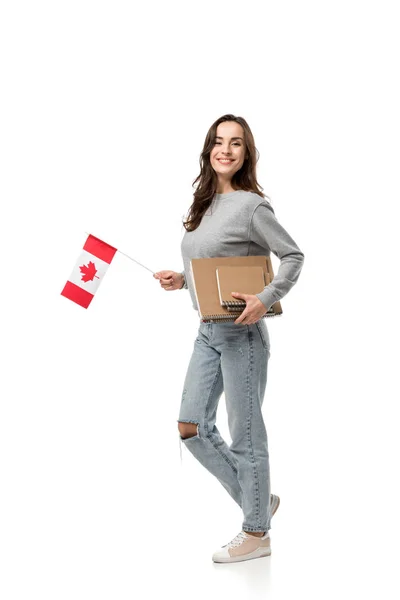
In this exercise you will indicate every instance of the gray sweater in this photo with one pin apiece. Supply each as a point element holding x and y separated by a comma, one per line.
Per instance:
<point>243,224</point>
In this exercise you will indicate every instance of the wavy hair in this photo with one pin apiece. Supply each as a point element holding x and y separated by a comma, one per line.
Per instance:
<point>244,179</point>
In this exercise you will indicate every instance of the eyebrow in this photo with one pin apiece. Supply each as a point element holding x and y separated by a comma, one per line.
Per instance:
<point>218,137</point>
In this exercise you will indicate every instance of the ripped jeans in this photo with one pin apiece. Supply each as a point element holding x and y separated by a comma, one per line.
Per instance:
<point>232,359</point>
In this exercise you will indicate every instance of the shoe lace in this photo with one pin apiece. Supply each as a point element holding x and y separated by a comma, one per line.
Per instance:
<point>237,540</point>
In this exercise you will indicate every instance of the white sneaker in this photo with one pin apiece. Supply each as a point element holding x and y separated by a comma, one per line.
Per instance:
<point>275,501</point>
<point>244,546</point>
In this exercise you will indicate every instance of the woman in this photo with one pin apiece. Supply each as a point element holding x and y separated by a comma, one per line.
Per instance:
<point>231,217</point>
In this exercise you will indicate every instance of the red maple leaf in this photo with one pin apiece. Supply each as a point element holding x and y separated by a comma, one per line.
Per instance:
<point>89,272</point>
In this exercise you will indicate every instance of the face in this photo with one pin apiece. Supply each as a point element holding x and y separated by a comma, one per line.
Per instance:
<point>229,144</point>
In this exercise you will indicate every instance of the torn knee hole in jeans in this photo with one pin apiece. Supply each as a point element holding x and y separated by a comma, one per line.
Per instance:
<point>191,435</point>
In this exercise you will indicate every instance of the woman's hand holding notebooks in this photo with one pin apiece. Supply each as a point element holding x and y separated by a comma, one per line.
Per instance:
<point>248,281</point>
<point>213,307</point>
<point>245,280</point>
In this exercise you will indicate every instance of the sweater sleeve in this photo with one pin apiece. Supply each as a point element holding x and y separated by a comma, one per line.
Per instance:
<point>267,232</point>
<point>185,286</point>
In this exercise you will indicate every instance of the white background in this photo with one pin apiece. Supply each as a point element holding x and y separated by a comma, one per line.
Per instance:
<point>104,111</point>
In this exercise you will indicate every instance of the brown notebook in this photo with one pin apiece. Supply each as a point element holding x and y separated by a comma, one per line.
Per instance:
<point>240,304</point>
<point>245,280</point>
<point>204,277</point>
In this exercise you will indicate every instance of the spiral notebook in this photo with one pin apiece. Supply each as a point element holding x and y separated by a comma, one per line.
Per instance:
<point>245,280</point>
<point>203,272</point>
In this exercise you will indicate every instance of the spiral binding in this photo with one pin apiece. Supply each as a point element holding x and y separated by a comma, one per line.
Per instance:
<point>234,303</point>
<point>218,318</point>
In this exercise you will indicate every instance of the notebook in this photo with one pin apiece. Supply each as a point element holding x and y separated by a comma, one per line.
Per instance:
<point>242,305</point>
<point>204,278</point>
<point>245,280</point>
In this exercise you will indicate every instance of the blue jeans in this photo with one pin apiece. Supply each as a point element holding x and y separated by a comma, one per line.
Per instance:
<point>232,359</point>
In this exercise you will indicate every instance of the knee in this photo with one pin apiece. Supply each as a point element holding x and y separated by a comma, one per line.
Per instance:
<point>187,429</point>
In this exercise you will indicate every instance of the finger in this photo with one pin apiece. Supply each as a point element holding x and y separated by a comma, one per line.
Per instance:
<point>240,319</point>
<point>168,284</point>
<point>239,296</point>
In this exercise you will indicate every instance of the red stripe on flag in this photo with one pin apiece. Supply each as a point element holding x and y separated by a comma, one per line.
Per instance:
<point>77,294</point>
<point>99,248</point>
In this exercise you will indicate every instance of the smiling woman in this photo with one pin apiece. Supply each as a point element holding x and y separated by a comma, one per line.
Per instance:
<point>228,163</point>
<point>230,216</point>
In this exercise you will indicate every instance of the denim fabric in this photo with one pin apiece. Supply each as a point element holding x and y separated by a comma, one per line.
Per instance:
<point>232,359</point>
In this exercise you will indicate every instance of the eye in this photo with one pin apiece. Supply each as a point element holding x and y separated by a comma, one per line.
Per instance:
<point>235,143</point>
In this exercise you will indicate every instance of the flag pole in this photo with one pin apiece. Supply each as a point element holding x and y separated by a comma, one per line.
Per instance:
<point>136,261</point>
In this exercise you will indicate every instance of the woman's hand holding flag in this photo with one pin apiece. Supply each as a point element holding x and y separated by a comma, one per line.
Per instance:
<point>170,280</point>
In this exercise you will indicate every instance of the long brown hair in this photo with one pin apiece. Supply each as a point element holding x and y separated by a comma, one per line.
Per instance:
<point>244,179</point>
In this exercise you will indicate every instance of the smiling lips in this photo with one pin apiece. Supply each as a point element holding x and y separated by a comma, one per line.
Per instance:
<point>225,161</point>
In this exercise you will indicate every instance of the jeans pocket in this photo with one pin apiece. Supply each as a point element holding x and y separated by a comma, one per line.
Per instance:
<point>264,337</point>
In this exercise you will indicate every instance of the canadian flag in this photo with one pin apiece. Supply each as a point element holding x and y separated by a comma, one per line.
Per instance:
<point>89,271</point>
